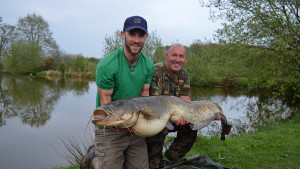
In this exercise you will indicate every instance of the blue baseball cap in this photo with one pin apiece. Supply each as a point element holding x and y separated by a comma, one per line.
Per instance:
<point>134,22</point>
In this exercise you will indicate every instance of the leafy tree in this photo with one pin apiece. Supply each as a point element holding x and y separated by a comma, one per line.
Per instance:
<point>54,57</point>
<point>112,42</point>
<point>151,44</point>
<point>7,35</point>
<point>93,60</point>
<point>270,23</point>
<point>62,68</point>
<point>78,64</point>
<point>201,63</point>
<point>115,41</point>
<point>34,28</point>
<point>23,57</point>
<point>271,28</point>
<point>68,59</point>
<point>92,64</point>
<point>159,54</point>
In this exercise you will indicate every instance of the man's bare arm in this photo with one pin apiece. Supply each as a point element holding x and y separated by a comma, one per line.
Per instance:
<point>145,90</point>
<point>105,95</point>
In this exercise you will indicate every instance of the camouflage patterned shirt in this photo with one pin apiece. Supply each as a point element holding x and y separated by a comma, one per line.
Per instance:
<point>165,83</point>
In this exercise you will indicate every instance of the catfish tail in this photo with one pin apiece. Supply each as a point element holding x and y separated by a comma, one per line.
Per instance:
<point>226,127</point>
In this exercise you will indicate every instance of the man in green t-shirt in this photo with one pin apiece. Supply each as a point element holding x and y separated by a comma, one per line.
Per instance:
<point>124,73</point>
<point>170,78</point>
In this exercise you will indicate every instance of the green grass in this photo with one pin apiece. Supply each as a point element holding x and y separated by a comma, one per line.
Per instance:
<point>42,74</point>
<point>243,81</point>
<point>218,81</point>
<point>272,146</point>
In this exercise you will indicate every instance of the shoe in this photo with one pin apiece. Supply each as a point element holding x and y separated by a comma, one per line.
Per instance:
<point>86,161</point>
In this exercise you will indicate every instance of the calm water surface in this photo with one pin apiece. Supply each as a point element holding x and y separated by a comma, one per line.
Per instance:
<point>36,114</point>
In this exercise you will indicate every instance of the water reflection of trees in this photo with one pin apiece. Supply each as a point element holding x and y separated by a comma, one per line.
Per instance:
<point>245,110</point>
<point>78,86</point>
<point>6,109</point>
<point>32,100</point>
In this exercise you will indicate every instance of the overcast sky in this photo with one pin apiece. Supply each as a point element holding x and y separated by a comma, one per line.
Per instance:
<point>79,26</point>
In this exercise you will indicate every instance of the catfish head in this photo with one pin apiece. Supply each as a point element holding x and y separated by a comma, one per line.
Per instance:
<point>112,115</point>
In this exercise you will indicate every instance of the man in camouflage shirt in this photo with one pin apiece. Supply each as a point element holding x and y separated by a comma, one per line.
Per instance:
<point>171,79</point>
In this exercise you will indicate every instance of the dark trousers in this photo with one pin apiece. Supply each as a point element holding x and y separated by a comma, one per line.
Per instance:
<point>181,145</point>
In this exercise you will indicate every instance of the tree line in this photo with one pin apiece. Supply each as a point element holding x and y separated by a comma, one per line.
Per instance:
<point>258,45</point>
<point>260,40</point>
<point>28,47</point>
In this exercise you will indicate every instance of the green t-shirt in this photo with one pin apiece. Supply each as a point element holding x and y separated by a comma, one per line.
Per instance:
<point>113,72</point>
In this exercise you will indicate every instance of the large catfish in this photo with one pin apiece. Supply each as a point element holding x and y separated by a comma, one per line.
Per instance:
<point>150,115</point>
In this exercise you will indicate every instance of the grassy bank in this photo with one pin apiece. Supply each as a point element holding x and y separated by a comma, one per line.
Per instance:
<point>213,81</point>
<point>272,146</point>
<point>58,74</point>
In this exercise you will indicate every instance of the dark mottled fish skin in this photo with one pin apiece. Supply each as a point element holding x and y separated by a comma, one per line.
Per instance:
<point>149,115</point>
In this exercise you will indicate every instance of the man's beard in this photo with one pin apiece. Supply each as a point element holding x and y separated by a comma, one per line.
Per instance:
<point>127,45</point>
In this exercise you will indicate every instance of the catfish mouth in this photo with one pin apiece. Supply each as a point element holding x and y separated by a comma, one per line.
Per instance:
<point>103,117</point>
<point>106,117</point>
<point>102,114</point>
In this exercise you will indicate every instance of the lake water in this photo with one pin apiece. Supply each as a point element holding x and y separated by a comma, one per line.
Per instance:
<point>35,114</point>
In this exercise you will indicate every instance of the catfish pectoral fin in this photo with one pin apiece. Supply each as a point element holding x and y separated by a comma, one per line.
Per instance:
<point>201,124</point>
<point>149,113</point>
